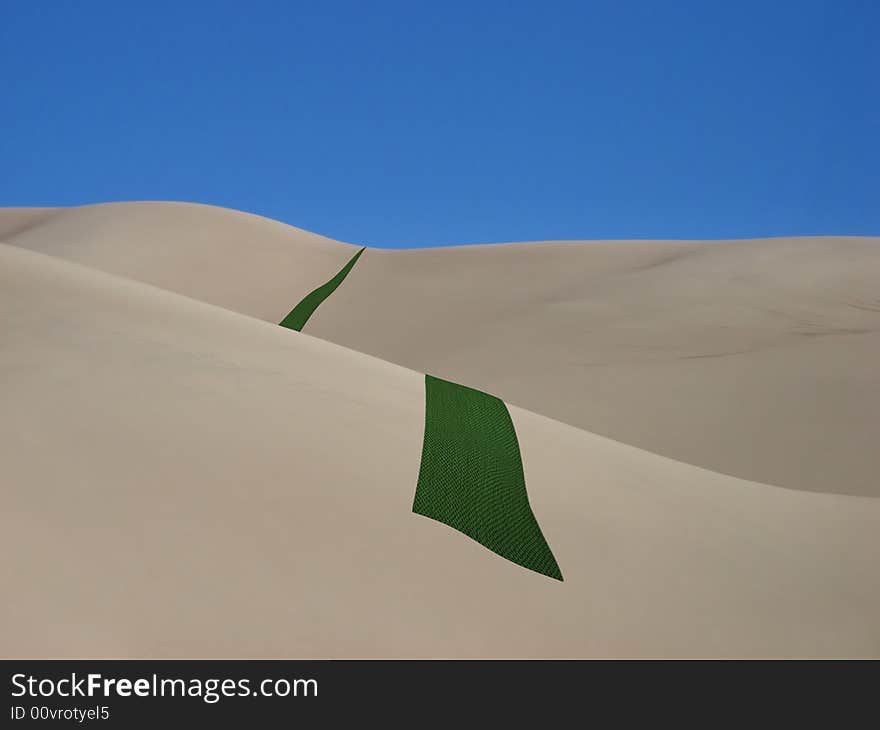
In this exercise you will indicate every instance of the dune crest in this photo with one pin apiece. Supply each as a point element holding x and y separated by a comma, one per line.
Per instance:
<point>236,260</point>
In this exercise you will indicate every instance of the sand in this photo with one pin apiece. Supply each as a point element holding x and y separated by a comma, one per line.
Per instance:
<point>185,480</point>
<point>239,261</point>
<point>753,358</point>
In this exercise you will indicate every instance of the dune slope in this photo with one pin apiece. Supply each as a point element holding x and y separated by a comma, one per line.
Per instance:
<point>181,480</point>
<point>753,358</point>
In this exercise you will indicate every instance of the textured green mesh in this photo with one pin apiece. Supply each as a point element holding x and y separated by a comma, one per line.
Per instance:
<point>471,477</point>
<point>300,314</point>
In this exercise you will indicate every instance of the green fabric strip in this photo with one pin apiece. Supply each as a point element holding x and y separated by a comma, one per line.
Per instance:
<point>300,314</point>
<point>471,477</point>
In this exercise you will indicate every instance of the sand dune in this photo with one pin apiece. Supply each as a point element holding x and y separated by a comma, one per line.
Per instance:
<point>239,261</point>
<point>752,358</point>
<point>17,220</point>
<point>183,480</point>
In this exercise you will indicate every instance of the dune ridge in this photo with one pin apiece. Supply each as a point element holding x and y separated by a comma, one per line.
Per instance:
<point>239,261</point>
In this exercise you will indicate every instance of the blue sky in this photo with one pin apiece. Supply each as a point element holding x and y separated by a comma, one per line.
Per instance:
<point>421,123</point>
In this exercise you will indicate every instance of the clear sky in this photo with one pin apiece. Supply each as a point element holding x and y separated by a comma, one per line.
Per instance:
<point>409,123</point>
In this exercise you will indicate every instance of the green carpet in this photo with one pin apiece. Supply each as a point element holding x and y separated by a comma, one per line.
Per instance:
<point>300,314</point>
<point>471,477</point>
